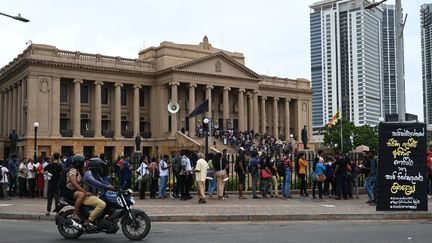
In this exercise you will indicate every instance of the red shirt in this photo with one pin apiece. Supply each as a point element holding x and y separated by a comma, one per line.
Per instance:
<point>429,165</point>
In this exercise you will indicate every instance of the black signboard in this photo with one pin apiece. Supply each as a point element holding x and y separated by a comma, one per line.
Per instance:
<point>402,172</point>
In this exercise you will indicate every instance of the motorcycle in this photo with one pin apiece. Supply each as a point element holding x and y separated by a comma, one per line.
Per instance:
<point>135,223</point>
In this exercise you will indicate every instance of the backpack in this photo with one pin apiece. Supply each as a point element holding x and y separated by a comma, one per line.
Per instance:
<point>280,166</point>
<point>63,179</point>
<point>177,166</point>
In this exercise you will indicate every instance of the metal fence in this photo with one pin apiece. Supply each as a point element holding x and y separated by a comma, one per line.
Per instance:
<point>233,183</point>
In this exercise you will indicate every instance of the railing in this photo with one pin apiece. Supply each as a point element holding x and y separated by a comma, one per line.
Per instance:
<point>108,133</point>
<point>88,133</point>
<point>127,134</point>
<point>233,183</point>
<point>66,133</point>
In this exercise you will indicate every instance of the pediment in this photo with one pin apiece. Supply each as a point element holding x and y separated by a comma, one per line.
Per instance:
<point>218,64</point>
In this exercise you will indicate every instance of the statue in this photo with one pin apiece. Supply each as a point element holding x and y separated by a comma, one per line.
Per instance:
<point>138,142</point>
<point>13,138</point>
<point>304,137</point>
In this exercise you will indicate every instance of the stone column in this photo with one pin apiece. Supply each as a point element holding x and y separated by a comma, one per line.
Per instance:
<point>287,119</point>
<point>241,109</point>
<point>275,118</point>
<point>117,110</point>
<point>14,106</point>
<point>255,112</point>
<point>136,109</point>
<point>19,108</point>
<point>174,98</point>
<point>226,107</point>
<point>209,97</point>
<point>97,118</point>
<point>250,111</point>
<point>10,109</point>
<point>32,114</point>
<point>55,113</point>
<point>192,120</point>
<point>263,115</point>
<point>76,123</point>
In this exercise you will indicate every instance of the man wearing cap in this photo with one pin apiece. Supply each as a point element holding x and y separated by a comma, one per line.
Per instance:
<point>429,165</point>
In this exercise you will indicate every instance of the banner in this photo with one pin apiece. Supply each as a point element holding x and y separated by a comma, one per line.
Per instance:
<point>402,173</point>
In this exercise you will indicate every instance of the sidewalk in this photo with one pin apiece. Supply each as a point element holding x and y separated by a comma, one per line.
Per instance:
<point>233,209</point>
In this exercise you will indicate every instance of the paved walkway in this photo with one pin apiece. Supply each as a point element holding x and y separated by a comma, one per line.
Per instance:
<point>233,209</point>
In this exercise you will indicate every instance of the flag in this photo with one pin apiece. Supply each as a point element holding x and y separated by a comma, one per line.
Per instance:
<point>203,107</point>
<point>334,119</point>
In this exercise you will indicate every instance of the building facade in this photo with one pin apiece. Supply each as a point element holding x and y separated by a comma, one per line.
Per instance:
<point>426,44</point>
<point>92,103</point>
<point>352,61</point>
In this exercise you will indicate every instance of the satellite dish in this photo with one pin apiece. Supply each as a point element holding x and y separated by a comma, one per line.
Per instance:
<point>173,107</point>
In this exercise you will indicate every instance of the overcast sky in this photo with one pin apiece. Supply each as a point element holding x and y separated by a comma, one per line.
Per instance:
<point>272,34</point>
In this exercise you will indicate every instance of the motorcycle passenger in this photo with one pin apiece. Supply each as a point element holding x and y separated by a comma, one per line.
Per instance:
<point>93,182</point>
<point>73,189</point>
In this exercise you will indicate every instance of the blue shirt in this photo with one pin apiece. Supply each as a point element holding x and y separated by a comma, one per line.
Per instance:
<point>13,167</point>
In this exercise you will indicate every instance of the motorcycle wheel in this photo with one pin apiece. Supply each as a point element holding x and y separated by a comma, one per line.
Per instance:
<point>66,232</point>
<point>139,230</point>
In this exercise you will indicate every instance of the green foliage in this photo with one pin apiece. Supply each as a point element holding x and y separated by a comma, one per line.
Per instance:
<point>364,135</point>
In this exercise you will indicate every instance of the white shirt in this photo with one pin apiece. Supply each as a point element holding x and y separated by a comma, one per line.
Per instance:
<point>4,171</point>
<point>31,171</point>
<point>201,167</point>
<point>163,164</point>
<point>142,169</point>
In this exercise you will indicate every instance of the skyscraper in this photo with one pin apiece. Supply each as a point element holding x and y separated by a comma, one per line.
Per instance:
<point>352,61</point>
<point>426,39</point>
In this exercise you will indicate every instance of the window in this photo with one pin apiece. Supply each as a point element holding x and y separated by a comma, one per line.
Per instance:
<point>104,96</point>
<point>141,98</point>
<point>123,97</point>
<point>105,125</point>
<point>63,92</point>
<point>84,94</point>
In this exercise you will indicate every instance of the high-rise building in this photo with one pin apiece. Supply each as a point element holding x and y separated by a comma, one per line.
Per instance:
<point>426,43</point>
<point>353,63</point>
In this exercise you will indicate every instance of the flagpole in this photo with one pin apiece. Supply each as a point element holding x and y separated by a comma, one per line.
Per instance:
<point>341,135</point>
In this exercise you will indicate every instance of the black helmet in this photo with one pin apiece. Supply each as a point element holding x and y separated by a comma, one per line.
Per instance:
<point>78,161</point>
<point>99,166</point>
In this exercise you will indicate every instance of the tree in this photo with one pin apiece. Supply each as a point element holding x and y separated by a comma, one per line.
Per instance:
<point>332,136</point>
<point>366,135</point>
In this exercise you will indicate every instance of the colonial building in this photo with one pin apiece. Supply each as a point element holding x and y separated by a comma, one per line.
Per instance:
<point>92,103</point>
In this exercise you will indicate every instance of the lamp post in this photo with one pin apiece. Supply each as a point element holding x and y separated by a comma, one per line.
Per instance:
<point>35,125</point>
<point>399,29</point>
<point>19,17</point>
<point>206,128</point>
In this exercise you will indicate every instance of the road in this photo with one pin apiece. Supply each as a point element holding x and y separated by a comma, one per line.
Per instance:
<point>317,231</point>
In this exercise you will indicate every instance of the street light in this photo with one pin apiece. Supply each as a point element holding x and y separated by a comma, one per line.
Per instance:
<point>19,17</point>
<point>399,29</point>
<point>206,127</point>
<point>35,125</point>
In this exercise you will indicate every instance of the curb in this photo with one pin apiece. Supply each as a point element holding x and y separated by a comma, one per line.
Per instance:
<point>255,217</point>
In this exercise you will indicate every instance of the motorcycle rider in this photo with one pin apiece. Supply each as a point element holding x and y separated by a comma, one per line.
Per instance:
<point>72,188</point>
<point>93,182</point>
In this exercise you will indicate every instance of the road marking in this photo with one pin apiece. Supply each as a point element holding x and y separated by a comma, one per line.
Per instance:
<point>5,205</point>
<point>328,206</point>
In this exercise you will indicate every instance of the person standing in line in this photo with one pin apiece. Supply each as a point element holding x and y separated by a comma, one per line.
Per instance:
<point>275,177</point>
<point>13,166</point>
<point>22,178</point>
<point>302,174</point>
<point>429,165</point>
<point>53,171</point>
<point>341,178</point>
<point>241,172</point>
<point>212,174</point>
<point>39,177</point>
<point>143,177</point>
<point>4,182</point>
<point>286,184</point>
<point>126,172</point>
<point>253,169</point>
<point>45,176</point>
<point>220,167</point>
<point>154,178</point>
<point>31,178</point>
<point>200,175</point>
<point>163,174</point>
<point>318,170</point>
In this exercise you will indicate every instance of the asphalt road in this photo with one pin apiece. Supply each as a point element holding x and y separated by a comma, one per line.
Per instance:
<point>318,231</point>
